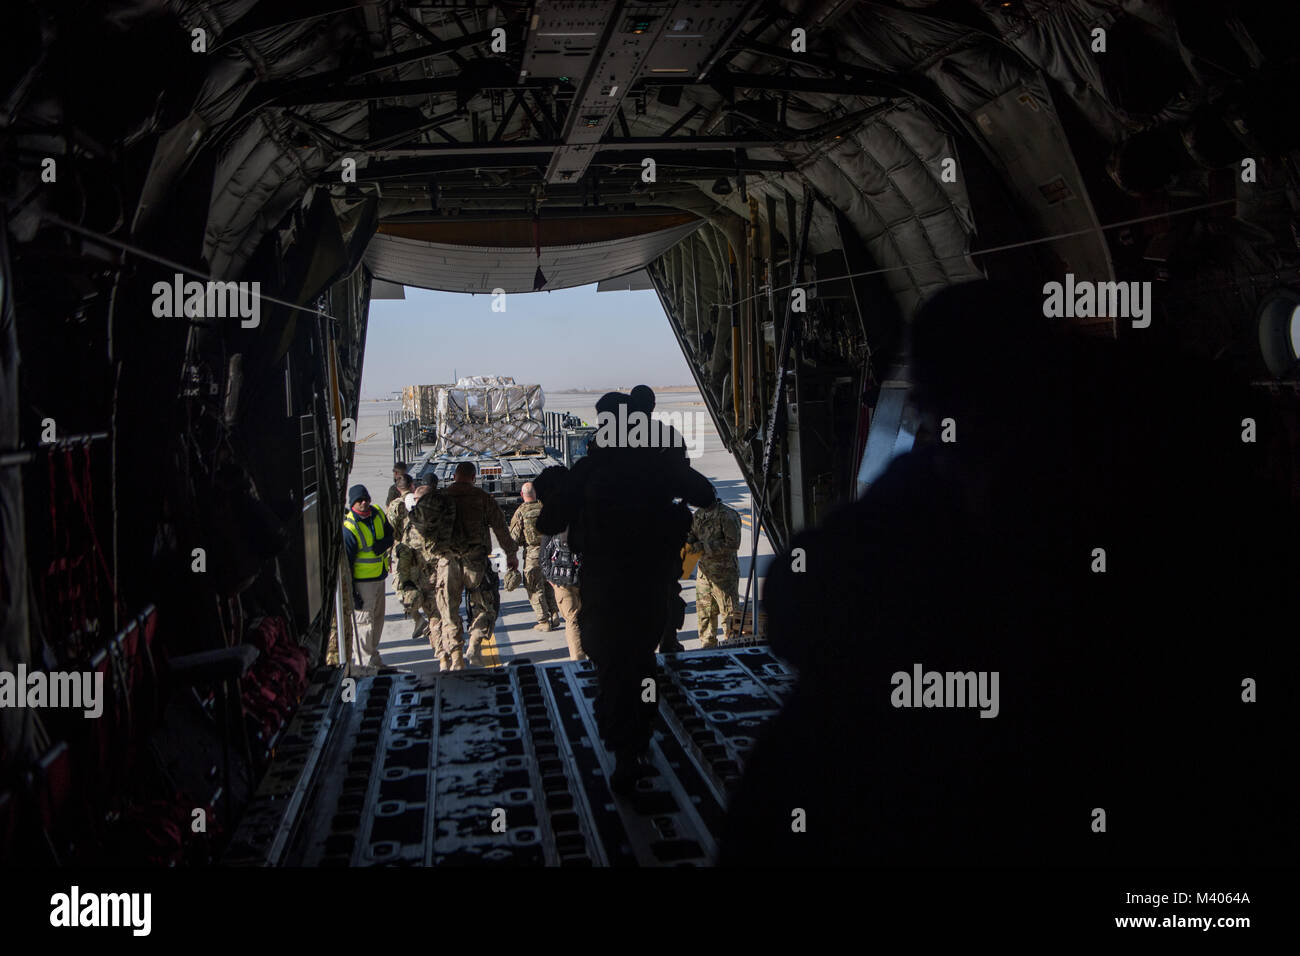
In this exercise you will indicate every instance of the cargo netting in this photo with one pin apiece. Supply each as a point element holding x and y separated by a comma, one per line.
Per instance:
<point>488,415</point>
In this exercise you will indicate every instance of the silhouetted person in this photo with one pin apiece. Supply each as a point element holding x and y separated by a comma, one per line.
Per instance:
<point>668,442</point>
<point>1094,535</point>
<point>617,503</point>
<point>663,436</point>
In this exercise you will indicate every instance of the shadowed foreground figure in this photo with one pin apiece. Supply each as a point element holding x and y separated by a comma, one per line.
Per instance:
<point>618,506</point>
<point>668,441</point>
<point>1118,691</point>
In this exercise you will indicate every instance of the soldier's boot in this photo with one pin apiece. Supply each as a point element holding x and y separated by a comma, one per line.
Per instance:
<point>732,630</point>
<point>420,627</point>
<point>457,659</point>
<point>709,632</point>
<point>543,626</point>
<point>473,655</point>
<point>444,662</point>
<point>669,644</point>
<point>630,765</point>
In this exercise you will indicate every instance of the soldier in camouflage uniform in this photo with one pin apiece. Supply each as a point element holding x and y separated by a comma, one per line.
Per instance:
<point>523,528</point>
<point>715,530</point>
<point>568,598</point>
<point>463,565</point>
<point>402,483</point>
<point>416,568</point>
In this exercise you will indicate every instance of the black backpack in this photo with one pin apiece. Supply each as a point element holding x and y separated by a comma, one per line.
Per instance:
<point>560,563</point>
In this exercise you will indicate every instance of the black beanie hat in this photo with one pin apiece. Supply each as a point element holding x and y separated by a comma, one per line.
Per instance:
<point>356,493</point>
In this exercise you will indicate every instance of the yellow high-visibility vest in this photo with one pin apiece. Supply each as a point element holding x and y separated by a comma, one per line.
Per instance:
<point>367,566</point>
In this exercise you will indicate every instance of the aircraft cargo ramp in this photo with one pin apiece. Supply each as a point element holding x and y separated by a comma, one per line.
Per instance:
<point>504,766</point>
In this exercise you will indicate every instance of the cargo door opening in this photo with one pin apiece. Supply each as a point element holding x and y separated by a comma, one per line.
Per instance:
<point>493,362</point>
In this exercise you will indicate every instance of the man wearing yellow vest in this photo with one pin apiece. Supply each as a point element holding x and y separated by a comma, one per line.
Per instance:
<point>367,538</point>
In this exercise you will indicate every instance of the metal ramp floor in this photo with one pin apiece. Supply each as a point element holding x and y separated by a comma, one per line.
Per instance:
<point>504,766</point>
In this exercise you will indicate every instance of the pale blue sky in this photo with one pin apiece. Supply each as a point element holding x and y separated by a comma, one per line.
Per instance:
<point>572,338</point>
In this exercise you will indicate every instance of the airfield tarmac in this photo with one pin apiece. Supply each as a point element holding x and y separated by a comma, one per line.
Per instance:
<point>514,636</point>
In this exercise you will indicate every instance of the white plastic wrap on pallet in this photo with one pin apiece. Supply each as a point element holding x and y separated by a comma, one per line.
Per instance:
<point>469,381</point>
<point>422,402</point>
<point>484,415</point>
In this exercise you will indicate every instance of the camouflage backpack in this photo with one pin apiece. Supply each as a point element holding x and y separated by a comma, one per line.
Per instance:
<point>718,529</point>
<point>434,518</point>
<point>397,518</point>
<point>528,522</point>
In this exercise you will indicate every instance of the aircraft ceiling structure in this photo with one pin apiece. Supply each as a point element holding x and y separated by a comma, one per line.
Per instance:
<point>833,163</point>
<point>925,134</point>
